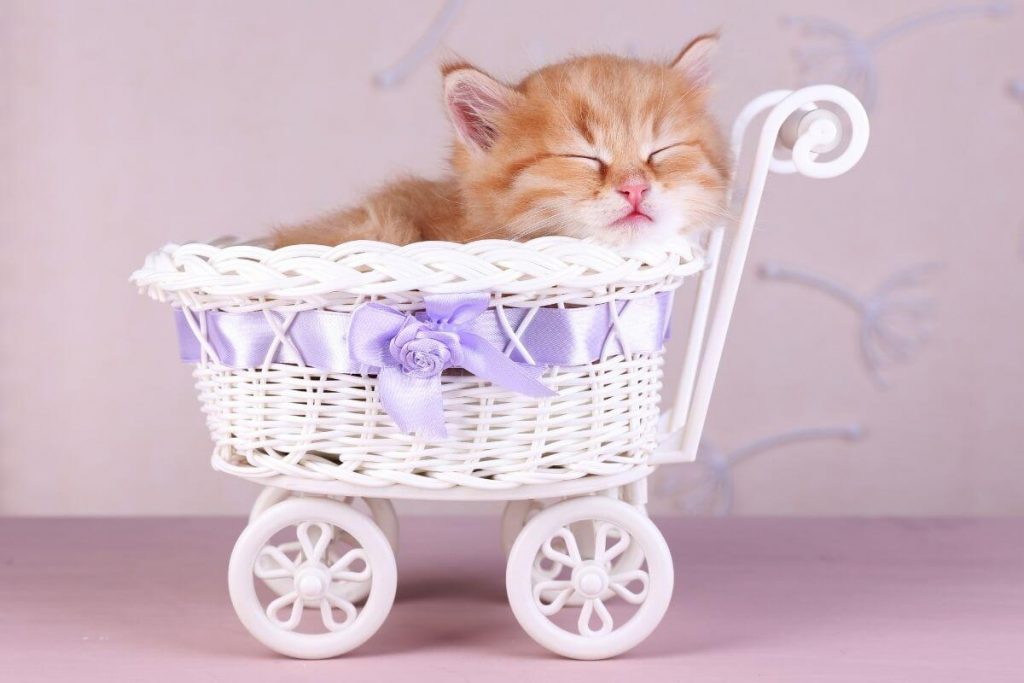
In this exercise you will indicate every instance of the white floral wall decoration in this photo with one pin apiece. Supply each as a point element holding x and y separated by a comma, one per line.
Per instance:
<point>421,49</point>
<point>896,317</point>
<point>706,486</point>
<point>1017,90</point>
<point>834,53</point>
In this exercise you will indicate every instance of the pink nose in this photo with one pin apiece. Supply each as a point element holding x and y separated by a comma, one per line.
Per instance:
<point>633,191</point>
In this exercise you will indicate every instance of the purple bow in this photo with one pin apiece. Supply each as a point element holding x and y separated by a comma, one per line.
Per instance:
<point>410,353</point>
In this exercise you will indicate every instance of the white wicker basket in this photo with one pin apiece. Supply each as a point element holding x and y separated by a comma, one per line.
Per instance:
<point>288,419</point>
<point>285,340</point>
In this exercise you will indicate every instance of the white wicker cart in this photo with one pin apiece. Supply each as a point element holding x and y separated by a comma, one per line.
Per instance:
<point>589,575</point>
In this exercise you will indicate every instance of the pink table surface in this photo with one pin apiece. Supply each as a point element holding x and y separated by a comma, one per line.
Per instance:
<point>755,600</point>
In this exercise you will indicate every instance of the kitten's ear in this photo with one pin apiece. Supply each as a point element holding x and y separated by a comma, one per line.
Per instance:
<point>474,102</point>
<point>694,62</point>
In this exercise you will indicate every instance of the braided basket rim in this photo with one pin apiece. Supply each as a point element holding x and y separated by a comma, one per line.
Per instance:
<point>188,272</point>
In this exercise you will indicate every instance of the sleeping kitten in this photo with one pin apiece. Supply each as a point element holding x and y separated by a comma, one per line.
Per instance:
<point>616,149</point>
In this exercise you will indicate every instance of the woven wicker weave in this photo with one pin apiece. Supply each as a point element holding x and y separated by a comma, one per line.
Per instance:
<point>298,421</point>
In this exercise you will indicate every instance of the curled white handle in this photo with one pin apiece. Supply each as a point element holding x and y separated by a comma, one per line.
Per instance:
<point>796,120</point>
<point>798,123</point>
<point>818,131</point>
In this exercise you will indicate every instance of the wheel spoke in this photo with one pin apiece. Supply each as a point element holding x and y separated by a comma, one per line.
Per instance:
<point>313,547</point>
<point>583,533</point>
<point>546,573</point>
<point>292,549</point>
<point>276,606</point>
<point>562,592</point>
<point>620,584</point>
<point>327,605</point>
<point>590,608</point>
<point>602,552</point>
<point>570,558</point>
<point>340,569</point>
<point>273,563</point>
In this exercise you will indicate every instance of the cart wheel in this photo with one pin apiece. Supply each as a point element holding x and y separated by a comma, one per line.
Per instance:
<point>280,622</point>
<point>542,601</point>
<point>519,512</point>
<point>515,516</point>
<point>380,509</point>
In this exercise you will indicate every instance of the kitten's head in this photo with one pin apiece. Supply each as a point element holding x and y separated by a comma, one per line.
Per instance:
<point>618,149</point>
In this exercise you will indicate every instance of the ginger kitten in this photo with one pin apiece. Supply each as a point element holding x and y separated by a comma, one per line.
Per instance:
<point>617,149</point>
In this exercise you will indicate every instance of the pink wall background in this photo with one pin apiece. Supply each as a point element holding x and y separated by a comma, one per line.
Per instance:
<point>128,124</point>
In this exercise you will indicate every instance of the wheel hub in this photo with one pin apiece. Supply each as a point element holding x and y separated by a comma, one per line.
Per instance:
<point>312,581</point>
<point>590,580</point>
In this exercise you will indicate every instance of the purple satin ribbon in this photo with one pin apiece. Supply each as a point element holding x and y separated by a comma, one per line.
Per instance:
<point>409,351</point>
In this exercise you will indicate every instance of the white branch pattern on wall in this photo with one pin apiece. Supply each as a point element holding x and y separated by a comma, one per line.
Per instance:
<point>421,49</point>
<point>1017,90</point>
<point>895,317</point>
<point>706,485</point>
<point>839,55</point>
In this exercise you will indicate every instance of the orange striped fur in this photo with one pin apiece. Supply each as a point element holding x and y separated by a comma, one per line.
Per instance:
<point>557,153</point>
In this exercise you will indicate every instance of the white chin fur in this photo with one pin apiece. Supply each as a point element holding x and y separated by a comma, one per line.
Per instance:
<point>643,235</point>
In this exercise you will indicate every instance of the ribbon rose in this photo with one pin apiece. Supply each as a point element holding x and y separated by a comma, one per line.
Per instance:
<point>409,353</point>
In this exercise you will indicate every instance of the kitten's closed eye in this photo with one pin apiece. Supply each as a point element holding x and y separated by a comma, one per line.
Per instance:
<point>661,153</point>
<point>596,162</point>
<point>652,158</point>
